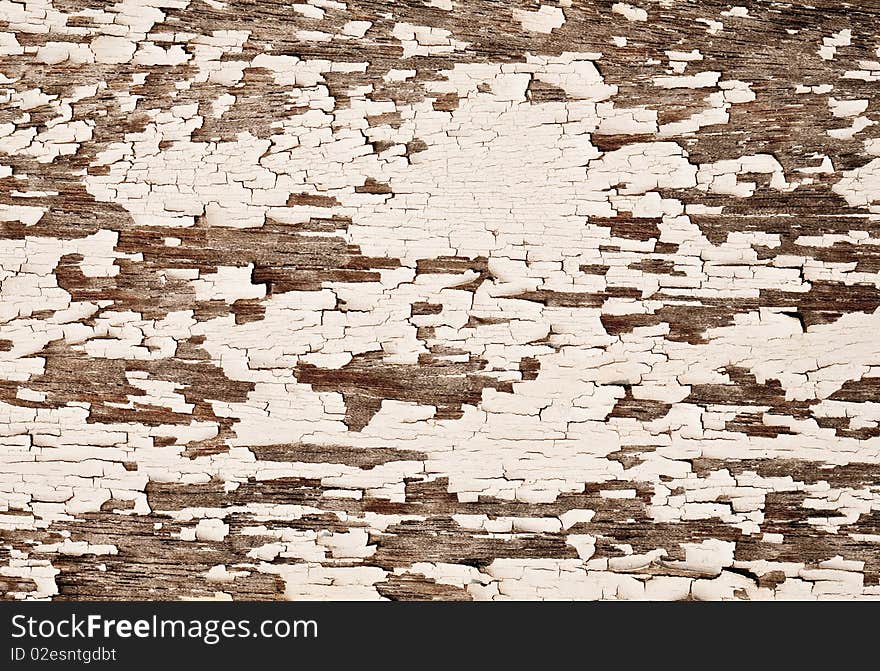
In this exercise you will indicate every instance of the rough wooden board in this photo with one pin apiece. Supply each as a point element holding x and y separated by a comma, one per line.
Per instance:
<point>455,299</point>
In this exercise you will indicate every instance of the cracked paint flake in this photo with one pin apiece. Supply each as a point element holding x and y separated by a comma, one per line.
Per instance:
<point>441,300</point>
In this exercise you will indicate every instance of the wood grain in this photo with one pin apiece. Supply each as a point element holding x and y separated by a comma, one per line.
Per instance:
<point>447,299</point>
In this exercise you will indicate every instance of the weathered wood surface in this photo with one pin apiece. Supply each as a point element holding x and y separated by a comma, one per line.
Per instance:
<point>454,299</point>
